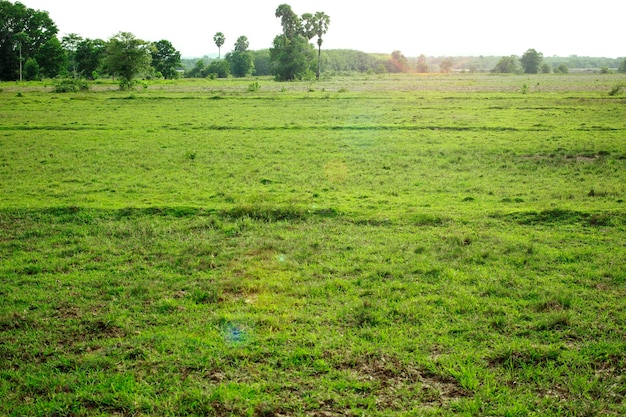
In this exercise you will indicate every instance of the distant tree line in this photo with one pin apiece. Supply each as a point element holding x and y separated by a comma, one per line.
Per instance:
<point>31,50</point>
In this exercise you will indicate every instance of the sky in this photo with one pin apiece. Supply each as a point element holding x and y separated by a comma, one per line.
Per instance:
<point>432,27</point>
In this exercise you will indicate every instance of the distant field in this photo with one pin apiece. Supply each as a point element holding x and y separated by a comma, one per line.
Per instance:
<point>383,245</point>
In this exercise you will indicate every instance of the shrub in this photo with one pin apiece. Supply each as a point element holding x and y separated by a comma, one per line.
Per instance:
<point>616,90</point>
<point>255,86</point>
<point>70,85</point>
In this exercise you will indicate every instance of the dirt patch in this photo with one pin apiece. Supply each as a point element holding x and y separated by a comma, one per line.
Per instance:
<point>393,377</point>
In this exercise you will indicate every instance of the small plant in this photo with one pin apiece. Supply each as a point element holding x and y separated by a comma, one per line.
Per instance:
<point>617,89</point>
<point>525,89</point>
<point>255,86</point>
<point>191,155</point>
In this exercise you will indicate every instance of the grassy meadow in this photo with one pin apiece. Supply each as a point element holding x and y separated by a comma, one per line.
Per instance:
<point>370,246</point>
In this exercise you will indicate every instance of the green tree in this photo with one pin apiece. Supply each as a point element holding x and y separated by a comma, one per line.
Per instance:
<point>197,70</point>
<point>31,69</point>
<point>70,44</point>
<point>289,21</point>
<point>546,69</point>
<point>531,61</point>
<point>561,69</point>
<point>218,68</point>
<point>622,67</point>
<point>315,25</point>
<point>291,53</point>
<point>242,44</point>
<point>165,59</point>
<point>291,58</point>
<point>262,62</point>
<point>51,58</point>
<point>23,31</point>
<point>90,56</point>
<point>321,23</point>
<point>241,61</point>
<point>219,40</point>
<point>507,65</point>
<point>126,57</point>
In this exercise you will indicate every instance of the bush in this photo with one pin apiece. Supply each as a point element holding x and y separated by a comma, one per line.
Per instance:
<point>70,85</point>
<point>561,69</point>
<point>616,90</point>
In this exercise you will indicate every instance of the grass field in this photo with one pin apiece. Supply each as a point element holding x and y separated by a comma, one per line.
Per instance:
<point>377,246</point>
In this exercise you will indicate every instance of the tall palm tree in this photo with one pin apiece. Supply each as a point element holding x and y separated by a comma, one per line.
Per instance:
<point>321,23</point>
<point>219,40</point>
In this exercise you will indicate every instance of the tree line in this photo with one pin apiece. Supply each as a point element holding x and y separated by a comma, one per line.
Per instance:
<point>31,50</point>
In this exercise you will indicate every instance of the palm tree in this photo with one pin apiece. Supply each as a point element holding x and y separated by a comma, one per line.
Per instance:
<point>321,22</point>
<point>219,40</point>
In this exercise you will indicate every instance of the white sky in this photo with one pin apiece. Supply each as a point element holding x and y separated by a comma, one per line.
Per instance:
<point>430,27</point>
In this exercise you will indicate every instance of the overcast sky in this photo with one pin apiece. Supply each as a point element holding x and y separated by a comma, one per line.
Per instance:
<point>431,27</point>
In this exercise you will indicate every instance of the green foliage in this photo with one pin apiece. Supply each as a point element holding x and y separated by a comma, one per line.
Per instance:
<point>126,57</point>
<point>348,60</point>
<point>242,44</point>
<point>31,69</point>
<point>255,86</point>
<point>531,61</point>
<point>89,57</point>
<point>70,85</point>
<point>51,58</point>
<point>546,68</point>
<point>291,53</point>
<point>262,62</point>
<point>31,34</point>
<point>507,65</point>
<point>165,59</point>
<point>241,63</point>
<point>218,69</point>
<point>70,44</point>
<point>198,71</point>
<point>561,69</point>
<point>315,25</point>
<point>291,58</point>
<point>622,66</point>
<point>617,89</point>
<point>219,40</point>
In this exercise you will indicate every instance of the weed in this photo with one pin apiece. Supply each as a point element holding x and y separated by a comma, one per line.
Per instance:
<point>616,89</point>
<point>191,155</point>
<point>255,86</point>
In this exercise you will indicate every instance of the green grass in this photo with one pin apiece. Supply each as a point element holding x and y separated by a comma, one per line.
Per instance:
<point>440,245</point>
